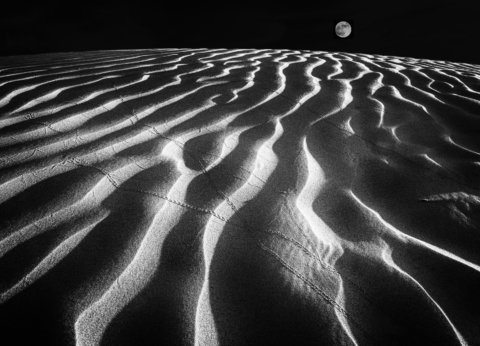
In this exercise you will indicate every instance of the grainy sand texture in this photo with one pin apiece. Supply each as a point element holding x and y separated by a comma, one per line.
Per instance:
<point>238,197</point>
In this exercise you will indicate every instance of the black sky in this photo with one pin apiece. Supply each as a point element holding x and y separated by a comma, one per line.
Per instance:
<point>422,29</point>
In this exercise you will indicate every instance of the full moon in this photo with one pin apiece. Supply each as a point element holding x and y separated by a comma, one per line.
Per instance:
<point>343,29</point>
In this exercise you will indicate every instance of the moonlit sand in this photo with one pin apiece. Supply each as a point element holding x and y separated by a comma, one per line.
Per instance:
<point>239,197</point>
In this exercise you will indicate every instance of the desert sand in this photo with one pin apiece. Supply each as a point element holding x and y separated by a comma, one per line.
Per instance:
<point>239,197</point>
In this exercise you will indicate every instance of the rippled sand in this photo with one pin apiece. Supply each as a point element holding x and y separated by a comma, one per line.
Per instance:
<point>239,197</point>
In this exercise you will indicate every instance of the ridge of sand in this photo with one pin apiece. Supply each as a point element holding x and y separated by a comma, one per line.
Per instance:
<point>239,197</point>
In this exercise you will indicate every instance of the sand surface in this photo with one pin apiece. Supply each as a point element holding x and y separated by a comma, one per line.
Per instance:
<point>239,197</point>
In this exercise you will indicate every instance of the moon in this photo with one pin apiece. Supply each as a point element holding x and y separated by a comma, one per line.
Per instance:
<point>343,29</point>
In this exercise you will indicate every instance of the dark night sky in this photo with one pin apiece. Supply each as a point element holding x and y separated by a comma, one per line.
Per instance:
<point>423,29</point>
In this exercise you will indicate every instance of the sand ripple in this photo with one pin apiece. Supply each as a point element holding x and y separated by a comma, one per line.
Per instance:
<point>239,197</point>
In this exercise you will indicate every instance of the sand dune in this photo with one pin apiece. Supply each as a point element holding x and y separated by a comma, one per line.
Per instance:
<point>239,197</point>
